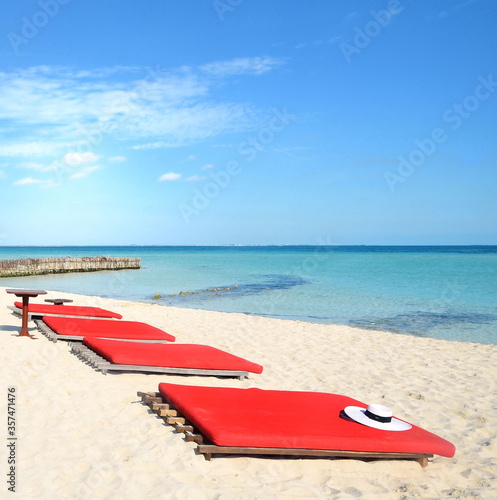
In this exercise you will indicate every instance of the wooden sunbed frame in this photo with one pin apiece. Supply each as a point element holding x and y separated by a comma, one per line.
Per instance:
<point>33,316</point>
<point>162,408</point>
<point>99,363</point>
<point>54,336</point>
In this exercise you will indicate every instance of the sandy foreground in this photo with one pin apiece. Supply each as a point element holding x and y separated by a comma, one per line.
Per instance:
<point>84,435</point>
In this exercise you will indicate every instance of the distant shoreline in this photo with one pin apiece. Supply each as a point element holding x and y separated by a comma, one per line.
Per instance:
<point>298,245</point>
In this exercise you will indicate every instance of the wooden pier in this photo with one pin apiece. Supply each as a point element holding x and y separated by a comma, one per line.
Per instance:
<point>55,265</point>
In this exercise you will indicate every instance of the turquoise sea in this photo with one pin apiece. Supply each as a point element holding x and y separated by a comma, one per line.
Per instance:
<point>440,292</point>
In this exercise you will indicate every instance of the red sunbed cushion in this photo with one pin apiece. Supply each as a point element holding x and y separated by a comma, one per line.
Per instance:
<point>170,355</point>
<point>287,419</point>
<point>95,312</point>
<point>82,327</point>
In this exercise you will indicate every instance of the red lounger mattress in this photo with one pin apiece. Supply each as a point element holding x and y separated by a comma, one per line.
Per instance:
<point>79,327</point>
<point>94,312</point>
<point>287,419</point>
<point>192,356</point>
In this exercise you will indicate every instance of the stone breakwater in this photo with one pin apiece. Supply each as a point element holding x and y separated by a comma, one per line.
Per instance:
<point>55,265</point>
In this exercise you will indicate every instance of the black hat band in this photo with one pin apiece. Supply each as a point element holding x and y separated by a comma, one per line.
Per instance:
<point>372,416</point>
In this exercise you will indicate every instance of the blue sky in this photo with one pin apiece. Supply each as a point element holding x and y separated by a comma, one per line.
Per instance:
<point>248,122</point>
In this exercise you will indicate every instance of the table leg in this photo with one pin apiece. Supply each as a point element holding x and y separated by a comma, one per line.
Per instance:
<point>24,327</point>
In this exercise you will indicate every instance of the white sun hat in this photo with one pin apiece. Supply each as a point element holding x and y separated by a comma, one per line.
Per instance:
<point>377,416</point>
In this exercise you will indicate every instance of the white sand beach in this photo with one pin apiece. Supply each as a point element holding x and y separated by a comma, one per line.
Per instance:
<point>84,435</point>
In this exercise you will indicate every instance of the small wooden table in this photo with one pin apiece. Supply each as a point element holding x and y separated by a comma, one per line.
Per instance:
<point>58,302</point>
<point>25,294</point>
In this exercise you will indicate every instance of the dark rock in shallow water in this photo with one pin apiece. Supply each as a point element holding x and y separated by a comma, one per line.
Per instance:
<point>269,282</point>
<point>419,323</point>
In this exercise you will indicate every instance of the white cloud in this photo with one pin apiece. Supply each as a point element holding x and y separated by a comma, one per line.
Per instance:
<point>41,167</point>
<point>29,181</point>
<point>117,159</point>
<point>153,109</point>
<point>29,149</point>
<point>75,159</point>
<point>246,65</point>
<point>171,176</point>
<point>50,184</point>
<point>151,145</point>
<point>207,167</point>
<point>72,165</point>
<point>84,172</point>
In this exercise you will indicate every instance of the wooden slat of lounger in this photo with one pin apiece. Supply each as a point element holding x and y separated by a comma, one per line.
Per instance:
<point>160,406</point>
<point>46,330</point>
<point>190,436</point>
<point>104,366</point>
<point>208,449</point>
<point>54,336</point>
<point>150,397</point>
<point>186,429</point>
<point>169,414</point>
<point>235,450</point>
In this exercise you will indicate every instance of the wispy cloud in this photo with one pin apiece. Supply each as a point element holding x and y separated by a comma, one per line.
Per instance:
<point>240,66</point>
<point>75,159</point>
<point>316,43</point>
<point>25,147</point>
<point>84,172</point>
<point>29,181</point>
<point>465,4</point>
<point>74,165</point>
<point>170,176</point>
<point>152,108</point>
<point>454,7</point>
<point>150,145</point>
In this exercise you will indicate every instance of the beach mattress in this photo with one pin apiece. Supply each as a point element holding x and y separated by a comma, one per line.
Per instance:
<point>192,356</point>
<point>287,419</point>
<point>82,327</point>
<point>95,312</point>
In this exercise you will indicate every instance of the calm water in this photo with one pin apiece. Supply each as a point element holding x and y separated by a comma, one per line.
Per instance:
<point>441,292</point>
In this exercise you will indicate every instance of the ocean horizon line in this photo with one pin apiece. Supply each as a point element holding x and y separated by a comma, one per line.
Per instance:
<point>243,245</point>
